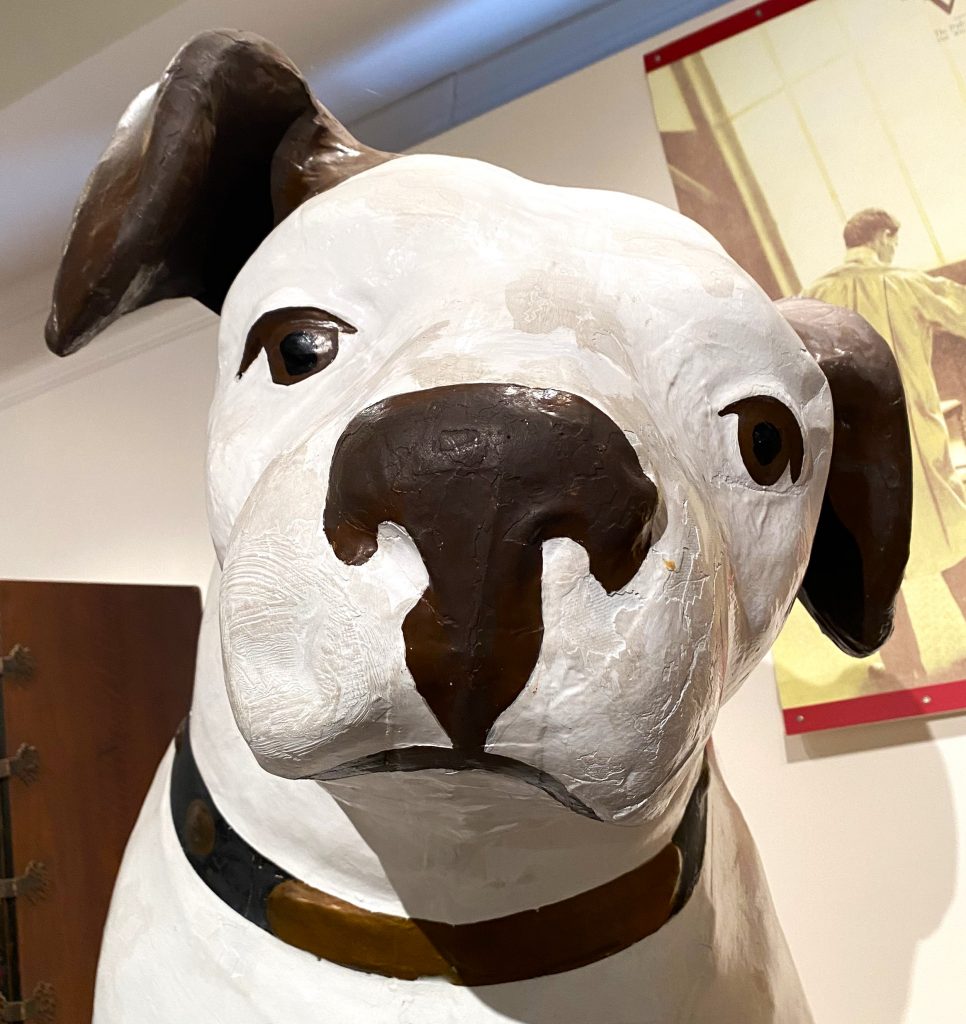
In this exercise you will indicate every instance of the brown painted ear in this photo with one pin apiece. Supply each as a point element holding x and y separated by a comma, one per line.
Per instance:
<point>197,174</point>
<point>862,541</point>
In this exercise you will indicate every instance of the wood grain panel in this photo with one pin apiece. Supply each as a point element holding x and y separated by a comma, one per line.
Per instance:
<point>114,671</point>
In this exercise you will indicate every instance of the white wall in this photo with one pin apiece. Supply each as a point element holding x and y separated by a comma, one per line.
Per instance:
<point>103,477</point>
<point>102,480</point>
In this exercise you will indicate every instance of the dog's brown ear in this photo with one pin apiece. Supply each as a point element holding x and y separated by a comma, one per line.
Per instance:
<point>862,541</point>
<point>199,171</point>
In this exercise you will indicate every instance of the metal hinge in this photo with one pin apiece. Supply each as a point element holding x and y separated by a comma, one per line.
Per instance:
<point>18,664</point>
<point>40,1007</point>
<point>25,764</point>
<point>33,884</point>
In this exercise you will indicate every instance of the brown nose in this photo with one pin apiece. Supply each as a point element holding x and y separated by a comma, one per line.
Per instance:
<point>480,475</point>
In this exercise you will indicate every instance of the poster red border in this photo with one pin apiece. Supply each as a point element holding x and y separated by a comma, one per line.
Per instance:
<point>915,702</point>
<point>719,31</point>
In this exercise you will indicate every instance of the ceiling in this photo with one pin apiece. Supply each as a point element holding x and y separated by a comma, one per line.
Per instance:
<point>70,69</point>
<point>34,45</point>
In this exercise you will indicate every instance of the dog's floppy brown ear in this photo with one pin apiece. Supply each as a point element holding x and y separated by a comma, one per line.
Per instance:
<point>862,541</point>
<point>198,173</point>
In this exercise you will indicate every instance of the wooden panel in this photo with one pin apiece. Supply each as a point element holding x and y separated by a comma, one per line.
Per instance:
<point>113,679</point>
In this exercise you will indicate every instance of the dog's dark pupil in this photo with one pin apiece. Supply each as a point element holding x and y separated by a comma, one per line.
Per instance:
<point>766,441</point>
<point>303,351</point>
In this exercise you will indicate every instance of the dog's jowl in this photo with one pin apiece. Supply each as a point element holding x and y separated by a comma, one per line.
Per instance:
<point>511,486</point>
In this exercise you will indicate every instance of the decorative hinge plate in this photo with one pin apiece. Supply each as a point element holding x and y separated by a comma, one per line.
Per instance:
<point>18,664</point>
<point>25,764</point>
<point>40,1007</point>
<point>33,884</point>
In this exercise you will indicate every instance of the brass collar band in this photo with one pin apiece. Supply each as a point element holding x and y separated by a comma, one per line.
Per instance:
<point>557,937</point>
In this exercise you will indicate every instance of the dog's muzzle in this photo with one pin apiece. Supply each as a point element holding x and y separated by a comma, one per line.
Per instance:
<point>480,475</point>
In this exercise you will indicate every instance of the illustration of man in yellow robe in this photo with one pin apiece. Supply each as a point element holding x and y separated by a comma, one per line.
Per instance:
<point>906,307</point>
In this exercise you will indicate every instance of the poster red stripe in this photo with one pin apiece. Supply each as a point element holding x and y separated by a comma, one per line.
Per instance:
<point>719,31</point>
<point>877,707</point>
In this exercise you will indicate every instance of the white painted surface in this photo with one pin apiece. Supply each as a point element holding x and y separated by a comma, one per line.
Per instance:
<point>858,831</point>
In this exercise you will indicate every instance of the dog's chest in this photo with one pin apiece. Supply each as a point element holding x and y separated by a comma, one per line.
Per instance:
<point>221,968</point>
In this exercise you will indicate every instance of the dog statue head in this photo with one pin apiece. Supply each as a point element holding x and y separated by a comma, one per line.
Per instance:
<point>502,476</point>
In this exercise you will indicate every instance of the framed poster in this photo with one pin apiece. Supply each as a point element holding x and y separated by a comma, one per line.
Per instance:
<point>823,142</point>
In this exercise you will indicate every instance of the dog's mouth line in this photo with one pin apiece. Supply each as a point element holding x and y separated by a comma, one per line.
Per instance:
<point>428,758</point>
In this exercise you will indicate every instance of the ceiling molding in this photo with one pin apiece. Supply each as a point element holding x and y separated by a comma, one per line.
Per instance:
<point>135,334</point>
<point>530,64</point>
<point>26,300</point>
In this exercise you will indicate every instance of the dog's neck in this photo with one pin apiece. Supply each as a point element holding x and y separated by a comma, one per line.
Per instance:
<point>430,844</point>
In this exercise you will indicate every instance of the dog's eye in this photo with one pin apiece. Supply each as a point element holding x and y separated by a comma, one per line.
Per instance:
<point>769,438</point>
<point>303,351</point>
<point>298,340</point>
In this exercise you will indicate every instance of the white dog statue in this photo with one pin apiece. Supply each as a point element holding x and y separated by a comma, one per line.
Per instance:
<point>511,485</point>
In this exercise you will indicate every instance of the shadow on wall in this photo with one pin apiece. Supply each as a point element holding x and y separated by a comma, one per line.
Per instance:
<point>882,864</point>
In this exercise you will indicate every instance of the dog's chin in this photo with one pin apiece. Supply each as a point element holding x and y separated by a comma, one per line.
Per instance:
<point>477,776</point>
<point>427,758</point>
